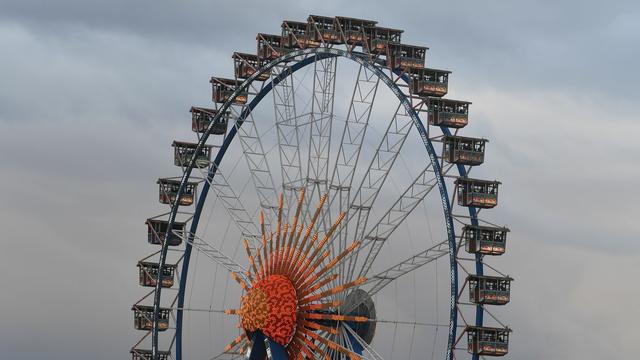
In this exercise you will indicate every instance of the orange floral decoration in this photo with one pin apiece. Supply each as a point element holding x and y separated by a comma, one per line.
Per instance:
<point>286,297</point>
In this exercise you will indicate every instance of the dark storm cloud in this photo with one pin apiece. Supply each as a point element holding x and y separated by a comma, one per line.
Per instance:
<point>93,92</point>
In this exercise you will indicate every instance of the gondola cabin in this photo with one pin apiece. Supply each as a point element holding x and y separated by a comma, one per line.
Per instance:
<point>168,192</point>
<point>448,113</point>
<point>270,47</point>
<point>477,193</point>
<point>381,39</point>
<point>143,318</point>
<point>463,150</point>
<point>405,56</point>
<point>486,341</point>
<point>489,290</point>
<point>140,354</point>
<point>429,82</point>
<point>157,230</point>
<point>223,89</point>
<point>202,117</point>
<point>183,152</point>
<point>322,29</point>
<point>295,35</point>
<point>354,31</point>
<point>245,65</point>
<point>148,272</point>
<point>485,240</point>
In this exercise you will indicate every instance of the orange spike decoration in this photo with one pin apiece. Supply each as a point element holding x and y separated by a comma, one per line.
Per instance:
<point>289,299</point>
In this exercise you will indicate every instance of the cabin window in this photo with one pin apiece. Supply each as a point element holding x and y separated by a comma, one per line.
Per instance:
<point>201,118</point>
<point>158,228</point>
<point>223,90</point>
<point>463,150</point>
<point>477,193</point>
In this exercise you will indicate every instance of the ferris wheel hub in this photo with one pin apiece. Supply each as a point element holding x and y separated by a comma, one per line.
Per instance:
<point>270,306</point>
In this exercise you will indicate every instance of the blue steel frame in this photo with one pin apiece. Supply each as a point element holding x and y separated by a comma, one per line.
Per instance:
<point>318,54</point>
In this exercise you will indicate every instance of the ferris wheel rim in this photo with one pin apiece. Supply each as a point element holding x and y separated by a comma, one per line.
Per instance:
<point>318,54</point>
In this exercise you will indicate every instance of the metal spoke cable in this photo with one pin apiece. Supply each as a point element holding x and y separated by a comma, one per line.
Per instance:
<point>321,119</point>
<point>230,200</point>
<point>377,172</point>
<point>377,282</point>
<point>258,164</point>
<point>368,351</point>
<point>348,154</point>
<point>217,256</point>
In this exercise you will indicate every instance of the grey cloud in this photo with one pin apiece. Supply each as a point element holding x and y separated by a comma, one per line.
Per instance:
<point>577,45</point>
<point>93,93</point>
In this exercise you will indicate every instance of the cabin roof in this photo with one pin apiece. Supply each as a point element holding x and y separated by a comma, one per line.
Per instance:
<point>292,23</point>
<point>364,21</point>
<point>481,227</point>
<point>154,264</point>
<point>224,81</point>
<point>188,144</point>
<point>507,278</point>
<point>470,180</point>
<point>321,17</point>
<point>201,109</point>
<point>429,70</point>
<point>151,220</point>
<point>409,46</point>
<point>212,112</point>
<point>173,181</point>
<point>434,99</point>
<point>147,308</point>
<point>399,31</point>
<point>486,328</point>
<point>241,55</point>
<point>464,138</point>
<point>268,36</point>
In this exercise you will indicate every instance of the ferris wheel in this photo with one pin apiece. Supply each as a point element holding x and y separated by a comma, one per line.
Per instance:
<point>324,209</point>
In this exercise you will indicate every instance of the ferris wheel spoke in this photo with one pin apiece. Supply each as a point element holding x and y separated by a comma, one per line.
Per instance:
<point>256,158</point>
<point>367,351</point>
<point>353,133</point>
<point>357,345</point>
<point>378,171</point>
<point>235,209</point>
<point>320,122</point>
<point>288,130</point>
<point>380,166</point>
<point>384,278</point>
<point>217,256</point>
<point>375,239</point>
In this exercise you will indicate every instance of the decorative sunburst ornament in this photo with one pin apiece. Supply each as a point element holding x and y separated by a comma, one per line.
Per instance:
<point>286,300</point>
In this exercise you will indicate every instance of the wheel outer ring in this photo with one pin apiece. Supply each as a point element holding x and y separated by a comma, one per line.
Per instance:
<point>319,54</point>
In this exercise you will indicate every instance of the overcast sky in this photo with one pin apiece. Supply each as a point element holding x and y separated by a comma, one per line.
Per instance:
<point>92,93</point>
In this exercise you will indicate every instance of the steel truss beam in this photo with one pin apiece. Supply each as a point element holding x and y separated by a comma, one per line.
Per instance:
<point>258,165</point>
<point>384,278</point>
<point>383,160</point>
<point>395,216</point>
<point>380,166</point>
<point>353,133</point>
<point>234,207</point>
<point>217,256</point>
<point>321,119</point>
<point>288,129</point>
